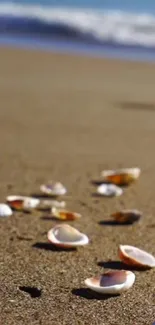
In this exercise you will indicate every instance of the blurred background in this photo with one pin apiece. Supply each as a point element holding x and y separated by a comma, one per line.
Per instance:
<point>100,27</point>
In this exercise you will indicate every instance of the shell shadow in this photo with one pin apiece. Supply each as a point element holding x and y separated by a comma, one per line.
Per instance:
<point>42,196</point>
<point>47,218</point>
<point>50,247</point>
<point>151,226</point>
<point>137,106</point>
<point>100,182</point>
<point>32,291</point>
<point>118,265</point>
<point>90,295</point>
<point>51,218</point>
<point>114,223</point>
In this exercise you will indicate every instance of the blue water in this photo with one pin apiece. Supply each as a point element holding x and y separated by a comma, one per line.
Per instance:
<point>132,5</point>
<point>113,28</point>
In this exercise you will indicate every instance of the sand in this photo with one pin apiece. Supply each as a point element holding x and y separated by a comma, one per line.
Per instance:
<point>67,118</point>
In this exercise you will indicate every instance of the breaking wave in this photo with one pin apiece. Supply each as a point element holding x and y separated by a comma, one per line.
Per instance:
<point>92,25</point>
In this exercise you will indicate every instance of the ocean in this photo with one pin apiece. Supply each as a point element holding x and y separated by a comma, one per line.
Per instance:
<point>111,28</point>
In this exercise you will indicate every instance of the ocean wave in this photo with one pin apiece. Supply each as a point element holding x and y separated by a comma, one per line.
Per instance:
<point>79,23</point>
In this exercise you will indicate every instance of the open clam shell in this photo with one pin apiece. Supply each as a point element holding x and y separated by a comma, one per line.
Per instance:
<point>18,202</point>
<point>53,189</point>
<point>64,214</point>
<point>123,176</point>
<point>126,216</point>
<point>112,282</point>
<point>64,235</point>
<point>109,190</point>
<point>136,257</point>
<point>5,210</point>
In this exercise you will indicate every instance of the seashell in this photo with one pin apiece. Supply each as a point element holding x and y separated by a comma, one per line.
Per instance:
<point>112,282</point>
<point>66,236</point>
<point>18,202</point>
<point>109,190</point>
<point>127,216</point>
<point>64,214</point>
<point>136,257</point>
<point>48,204</point>
<point>123,176</point>
<point>53,189</point>
<point>5,210</point>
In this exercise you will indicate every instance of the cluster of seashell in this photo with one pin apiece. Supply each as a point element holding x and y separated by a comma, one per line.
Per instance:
<point>115,282</point>
<point>66,236</point>
<point>27,203</point>
<point>112,180</point>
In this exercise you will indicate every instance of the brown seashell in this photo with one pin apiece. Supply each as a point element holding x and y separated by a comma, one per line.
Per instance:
<point>127,216</point>
<point>64,214</point>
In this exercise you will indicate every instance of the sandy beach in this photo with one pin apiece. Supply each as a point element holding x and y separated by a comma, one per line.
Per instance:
<point>67,118</point>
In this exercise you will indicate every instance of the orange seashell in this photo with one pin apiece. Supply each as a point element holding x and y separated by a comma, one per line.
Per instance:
<point>121,177</point>
<point>134,256</point>
<point>127,216</point>
<point>64,214</point>
<point>16,204</point>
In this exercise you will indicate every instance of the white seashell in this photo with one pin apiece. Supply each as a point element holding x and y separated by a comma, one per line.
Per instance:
<point>48,204</point>
<point>112,282</point>
<point>53,189</point>
<point>136,257</point>
<point>19,202</point>
<point>109,190</point>
<point>31,203</point>
<point>5,210</point>
<point>64,235</point>
<point>109,172</point>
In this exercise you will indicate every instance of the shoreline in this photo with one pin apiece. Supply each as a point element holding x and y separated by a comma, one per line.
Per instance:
<point>105,51</point>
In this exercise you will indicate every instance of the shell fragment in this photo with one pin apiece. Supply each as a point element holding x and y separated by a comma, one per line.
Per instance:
<point>109,190</point>
<point>64,214</point>
<point>49,204</point>
<point>53,189</point>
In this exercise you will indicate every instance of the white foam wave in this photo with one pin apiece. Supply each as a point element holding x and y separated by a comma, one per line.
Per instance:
<point>116,26</point>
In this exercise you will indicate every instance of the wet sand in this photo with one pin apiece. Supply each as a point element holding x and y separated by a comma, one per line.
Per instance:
<point>67,118</point>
